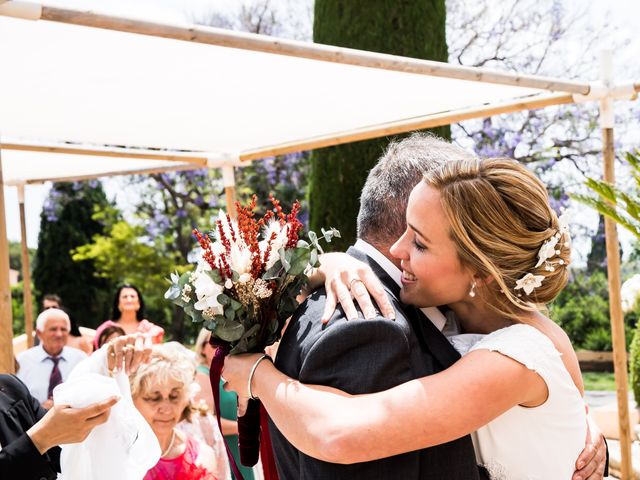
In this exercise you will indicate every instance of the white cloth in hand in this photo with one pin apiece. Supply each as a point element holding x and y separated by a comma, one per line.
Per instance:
<point>124,447</point>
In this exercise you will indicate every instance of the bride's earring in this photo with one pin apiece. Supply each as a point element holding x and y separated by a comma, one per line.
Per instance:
<point>472,292</point>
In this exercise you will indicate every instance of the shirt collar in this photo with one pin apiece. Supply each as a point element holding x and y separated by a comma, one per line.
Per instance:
<point>432,313</point>
<point>43,355</point>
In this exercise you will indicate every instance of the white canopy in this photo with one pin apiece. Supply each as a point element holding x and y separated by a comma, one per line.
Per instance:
<point>69,85</point>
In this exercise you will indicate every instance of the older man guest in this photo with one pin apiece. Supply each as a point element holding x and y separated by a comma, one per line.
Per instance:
<point>48,364</point>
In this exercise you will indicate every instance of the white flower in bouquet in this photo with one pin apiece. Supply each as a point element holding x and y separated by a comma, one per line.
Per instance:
<point>240,262</point>
<point>278,234</point>
<point>207,292</point>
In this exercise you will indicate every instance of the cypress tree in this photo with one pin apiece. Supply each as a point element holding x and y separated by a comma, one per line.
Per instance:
<point>67,222</point>
<point>411,28</point>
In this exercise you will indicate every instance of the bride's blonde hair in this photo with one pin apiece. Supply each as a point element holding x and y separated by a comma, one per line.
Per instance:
<point>499,215</point>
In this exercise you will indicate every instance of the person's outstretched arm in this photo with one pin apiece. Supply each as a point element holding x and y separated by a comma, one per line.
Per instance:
<point>35,454</point>
<point>331,425</point>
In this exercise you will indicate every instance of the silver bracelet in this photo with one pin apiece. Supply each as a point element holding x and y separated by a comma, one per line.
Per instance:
<point>253,371</point>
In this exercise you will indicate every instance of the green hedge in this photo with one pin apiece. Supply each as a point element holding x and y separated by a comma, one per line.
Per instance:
<point>634,364</point>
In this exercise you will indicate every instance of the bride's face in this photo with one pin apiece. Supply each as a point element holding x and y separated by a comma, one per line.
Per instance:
<point>162,404</point>
<point>432,274</point>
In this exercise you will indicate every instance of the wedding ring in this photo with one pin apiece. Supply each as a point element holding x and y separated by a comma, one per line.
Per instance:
<point>354,280</point>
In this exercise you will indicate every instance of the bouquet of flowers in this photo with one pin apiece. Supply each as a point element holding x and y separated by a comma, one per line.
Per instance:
<point>244,288</point>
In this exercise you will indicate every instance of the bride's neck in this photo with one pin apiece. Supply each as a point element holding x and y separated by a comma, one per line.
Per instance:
<point>476,318</point>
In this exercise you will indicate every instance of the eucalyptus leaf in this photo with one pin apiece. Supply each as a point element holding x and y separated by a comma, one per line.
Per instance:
<point>229,331</point>
<point>223,299</point>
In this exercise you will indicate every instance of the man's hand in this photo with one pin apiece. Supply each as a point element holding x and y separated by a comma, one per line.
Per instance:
<point>63,424</point>
<point>591,462</point>
<point>128,352</point>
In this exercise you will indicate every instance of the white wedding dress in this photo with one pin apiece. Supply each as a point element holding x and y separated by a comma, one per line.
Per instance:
<point>538,443</point>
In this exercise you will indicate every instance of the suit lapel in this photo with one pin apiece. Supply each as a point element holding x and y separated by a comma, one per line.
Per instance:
<point>430,338</point>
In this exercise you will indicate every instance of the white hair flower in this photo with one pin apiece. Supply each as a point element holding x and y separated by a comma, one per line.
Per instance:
<point>547,251</point>
<point>529,282</point>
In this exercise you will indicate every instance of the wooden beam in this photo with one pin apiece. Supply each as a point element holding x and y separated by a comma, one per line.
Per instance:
<point>26,272</point>
<point>327,53</point>
<point>143,171</point>
<point>617,318</point>
<point>109,152</point>
<point>410,124</point>
<point>7,363</point>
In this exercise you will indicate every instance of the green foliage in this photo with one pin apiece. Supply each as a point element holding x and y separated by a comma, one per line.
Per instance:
<point>17,308</point>
<point>121,255</point>
<point>622,207</point>
<point>634,364</point>
<point>67,222</point>
<point>582,310</point>
<point>15,257</point>
<point>413,28</point>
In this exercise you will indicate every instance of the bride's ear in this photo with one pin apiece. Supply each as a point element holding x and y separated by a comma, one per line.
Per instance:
<point>483,280</point>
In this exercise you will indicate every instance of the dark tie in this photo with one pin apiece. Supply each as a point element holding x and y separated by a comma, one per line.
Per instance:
<point>55,378</point>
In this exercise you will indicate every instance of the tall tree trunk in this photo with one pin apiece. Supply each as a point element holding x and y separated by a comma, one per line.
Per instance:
<point>412,28</point>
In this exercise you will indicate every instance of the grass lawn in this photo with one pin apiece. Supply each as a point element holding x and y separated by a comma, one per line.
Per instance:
<point>599,381</point>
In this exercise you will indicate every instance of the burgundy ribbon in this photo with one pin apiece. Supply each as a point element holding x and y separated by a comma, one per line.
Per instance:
<point>222,350</point>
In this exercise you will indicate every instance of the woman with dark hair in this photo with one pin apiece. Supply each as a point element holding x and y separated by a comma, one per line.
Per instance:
<point>128,314</point>
<point>108,333</point>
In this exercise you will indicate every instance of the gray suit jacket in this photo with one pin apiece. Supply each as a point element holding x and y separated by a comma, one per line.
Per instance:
<point>363,356</point>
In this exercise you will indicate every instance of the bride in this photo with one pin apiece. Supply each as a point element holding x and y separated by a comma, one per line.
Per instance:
<point>482,239</point>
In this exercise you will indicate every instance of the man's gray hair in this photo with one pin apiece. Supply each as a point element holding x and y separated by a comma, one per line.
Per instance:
<point>383,202</point>
<point>41,321</point>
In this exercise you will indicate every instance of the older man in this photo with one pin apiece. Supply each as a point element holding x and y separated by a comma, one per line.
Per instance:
<point>49,363</point>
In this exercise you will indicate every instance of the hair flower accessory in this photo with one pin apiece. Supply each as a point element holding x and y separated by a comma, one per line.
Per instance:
<point>529,282</point>
<point>547,251</point>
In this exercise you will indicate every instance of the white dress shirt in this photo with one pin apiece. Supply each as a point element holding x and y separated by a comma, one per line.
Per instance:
<point>35,368</point>
<point>448,326</point>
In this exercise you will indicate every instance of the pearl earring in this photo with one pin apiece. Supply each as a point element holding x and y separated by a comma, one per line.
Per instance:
<point>472,292</point>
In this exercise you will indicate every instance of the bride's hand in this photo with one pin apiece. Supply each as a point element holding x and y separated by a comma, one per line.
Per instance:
<point>346,278</point>
<point>235,373</point>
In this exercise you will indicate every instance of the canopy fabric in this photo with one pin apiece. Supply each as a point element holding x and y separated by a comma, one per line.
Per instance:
<point>64,83</point>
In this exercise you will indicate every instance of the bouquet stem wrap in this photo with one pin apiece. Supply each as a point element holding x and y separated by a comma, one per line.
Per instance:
<point>249,434</point>
<point>222,349</point>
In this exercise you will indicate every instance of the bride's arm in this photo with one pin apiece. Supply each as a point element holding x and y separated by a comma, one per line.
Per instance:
<point>336,427</point>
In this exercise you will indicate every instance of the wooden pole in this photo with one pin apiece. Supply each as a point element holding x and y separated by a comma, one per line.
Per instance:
<point>613,273</point>
<point>327,53</point>
<point>7,364</point>
<point>617,318</point>
<point>229,180</point>
<point>26,272</point>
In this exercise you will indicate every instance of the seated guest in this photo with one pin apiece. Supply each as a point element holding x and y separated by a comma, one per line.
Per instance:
<point>128,314</point>
<point>75,338</point>
<point>108,333</point>
<point>51,300</point>
<point>161,393</point>
<point>48,364</point>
